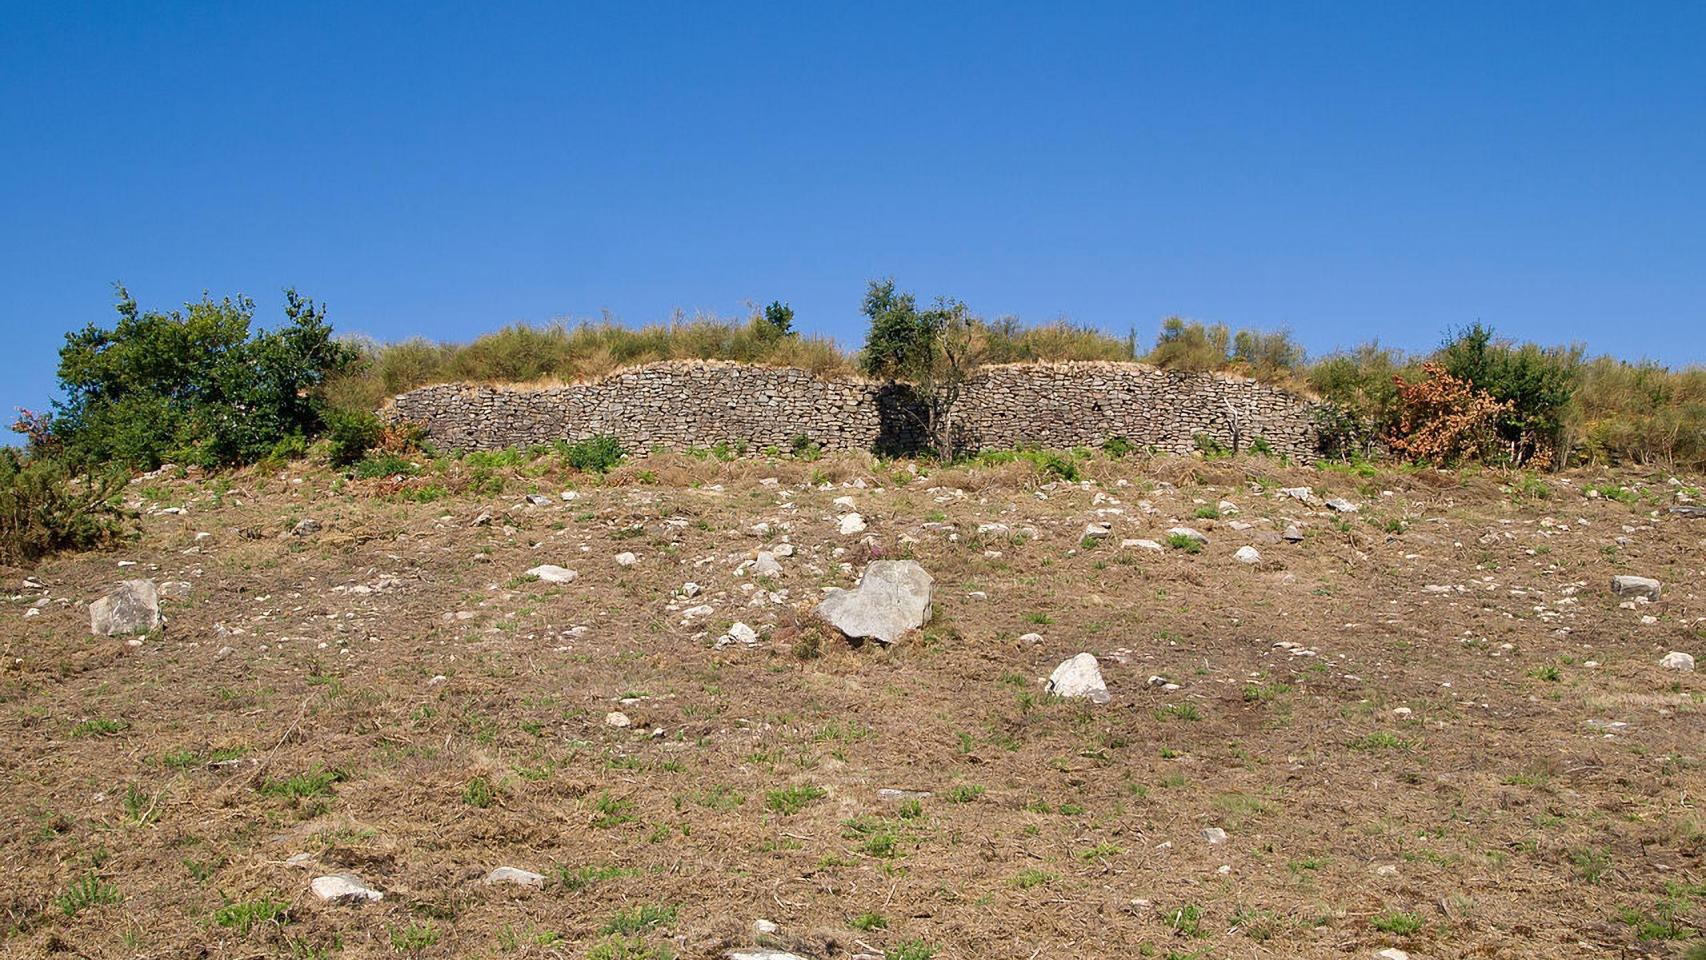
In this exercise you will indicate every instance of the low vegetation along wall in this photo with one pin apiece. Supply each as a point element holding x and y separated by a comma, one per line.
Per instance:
<point>702,403</point>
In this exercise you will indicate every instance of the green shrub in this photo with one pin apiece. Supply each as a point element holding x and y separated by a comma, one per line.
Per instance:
<point>43,508</point>
<point>597,454</point>
<point>194,386</point>
<point>351,433</point>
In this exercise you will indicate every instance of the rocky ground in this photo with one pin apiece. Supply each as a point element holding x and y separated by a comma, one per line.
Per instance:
<point>505,709</point>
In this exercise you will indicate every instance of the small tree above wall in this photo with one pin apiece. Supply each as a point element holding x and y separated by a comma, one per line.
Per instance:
<point>936,350</point>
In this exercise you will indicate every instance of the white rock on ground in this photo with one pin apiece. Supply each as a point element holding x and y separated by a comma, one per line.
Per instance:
<point>1304,495</point>
<point>626,559</point>
<point>132,607</point>
<point>1627,586</point>
<point>1030,638</point>
<point>551,573</point>
<point>1341,505</point>
<point>1214,835</point>
<point>764,927</point>
<point>760,954</point>
<point>1079,677</point>
<point>515,876</point>
<point>1677,660</point>
<point>852,523</point>
<point>1149,545</point>
<point>1189,533</point>
<point>1247,555</point>
<point>1096,531</point>
<point>344,888</point>
<point>1391,953</point>
<point>305,527</point>
<point>766,565</point>
<point>892,597</point>
<point>739,633</point>
<point>617,718</point>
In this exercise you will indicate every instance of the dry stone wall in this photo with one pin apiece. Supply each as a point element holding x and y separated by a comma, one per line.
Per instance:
<point>702,403</point>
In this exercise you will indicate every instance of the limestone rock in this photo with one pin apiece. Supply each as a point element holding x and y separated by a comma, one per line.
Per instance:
<point>1341,505</point>
<point>626,559</point>
<point>766,565</point>
<point>1079,677</point>
<point>551,573</point>
<point>344,888</point>
<point>892,597</point>
<point>1627,586</point>
<point>1247,555</point>
<point>1189,533</point>
<point>515,876</point>
<point>1677,660</point>
<point>1214,835</point>
<point>851,523</point>
<point>132,607</point>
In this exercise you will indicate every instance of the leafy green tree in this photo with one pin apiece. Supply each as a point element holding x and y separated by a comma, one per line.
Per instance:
<point>194,386</point>
<point>899,339</point>
<point>780,318</point>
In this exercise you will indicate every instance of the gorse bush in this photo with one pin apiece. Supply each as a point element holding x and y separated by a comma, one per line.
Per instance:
<point>44,508</point>
<point>196,386</point>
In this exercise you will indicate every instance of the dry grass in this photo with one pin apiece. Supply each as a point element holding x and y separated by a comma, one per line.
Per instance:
<point>397,700</point>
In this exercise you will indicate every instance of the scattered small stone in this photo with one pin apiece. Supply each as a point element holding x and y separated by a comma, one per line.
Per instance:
<point>1292,534</point>
<point>570,495</point>
<point>852,523</point>
<point>626,559</point>
<point>1214,835</point>
<point>766,565</point>
<point>764,927</point>
<point>1079,677</point>
<point>1189,533</point>
<point>1030,638</point>
<point>1304,495</point>
<point>1096,531</point>
<point>617,718</point>
<point>1247,555</point>
<point>690,589</point>
<point>306,527</point>
<point>761,954</point>
<point>1341,505</point>
<point>1391,953</point>
<point>299,860</point>
<point>1149,545</point>
<point>132,607</point>
<point>516,877</point>
<point>739,633</point>
<point>344,888</point>
<point>1677,660</point>
<point>538,500</point>
<point>1627,586</point>
<point>551,573</point>
<point>175,590</point>
<point>893,793</point>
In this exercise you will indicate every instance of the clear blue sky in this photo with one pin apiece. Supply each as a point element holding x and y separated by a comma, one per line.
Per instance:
<point>1349,171</point>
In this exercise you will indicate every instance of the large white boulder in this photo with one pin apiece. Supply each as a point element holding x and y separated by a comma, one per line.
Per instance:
<point>1079,677</point>
<point>132,607</point>
<point>892,597</point>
